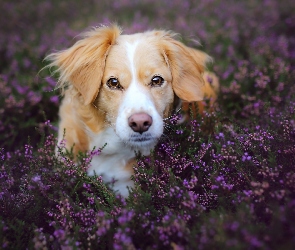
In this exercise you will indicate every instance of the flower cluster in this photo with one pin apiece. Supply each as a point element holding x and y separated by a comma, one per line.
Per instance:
<point>222,179</point>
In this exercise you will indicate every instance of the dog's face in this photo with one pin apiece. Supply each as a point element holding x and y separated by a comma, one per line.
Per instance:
<point>137,83</point>
<point>131,79</point>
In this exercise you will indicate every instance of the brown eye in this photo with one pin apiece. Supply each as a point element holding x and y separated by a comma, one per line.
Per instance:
<point>157,81</point>
<point>113,83</point>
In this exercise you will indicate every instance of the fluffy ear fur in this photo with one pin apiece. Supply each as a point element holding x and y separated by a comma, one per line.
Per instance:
<point>83,64</point>
<point>187,66</point>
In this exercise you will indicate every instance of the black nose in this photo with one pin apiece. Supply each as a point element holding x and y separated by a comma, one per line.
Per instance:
<point>140,122</point>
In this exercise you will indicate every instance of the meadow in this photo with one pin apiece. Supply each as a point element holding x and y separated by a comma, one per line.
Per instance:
<point>223,180</point>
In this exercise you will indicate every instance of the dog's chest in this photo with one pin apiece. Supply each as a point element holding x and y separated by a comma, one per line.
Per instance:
<point>112,162</point>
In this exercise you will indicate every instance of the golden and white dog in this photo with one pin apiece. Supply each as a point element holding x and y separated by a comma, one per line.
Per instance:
<point>119,90</point>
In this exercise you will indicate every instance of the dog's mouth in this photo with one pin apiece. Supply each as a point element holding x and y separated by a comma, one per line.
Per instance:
<point>141,140</point>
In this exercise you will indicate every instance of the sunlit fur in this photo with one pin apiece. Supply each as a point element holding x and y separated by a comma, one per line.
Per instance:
<point>93,114</point>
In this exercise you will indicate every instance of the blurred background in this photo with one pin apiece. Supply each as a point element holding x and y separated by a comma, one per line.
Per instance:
<point>242,36</point>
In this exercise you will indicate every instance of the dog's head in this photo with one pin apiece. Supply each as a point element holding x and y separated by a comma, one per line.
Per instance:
<point>131,80</point>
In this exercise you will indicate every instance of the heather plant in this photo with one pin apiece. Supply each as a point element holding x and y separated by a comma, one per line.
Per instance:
<point>222,179</point>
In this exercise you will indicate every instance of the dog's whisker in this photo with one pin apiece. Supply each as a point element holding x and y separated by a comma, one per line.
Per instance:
<point>172,115</point>
<point>168,127</point>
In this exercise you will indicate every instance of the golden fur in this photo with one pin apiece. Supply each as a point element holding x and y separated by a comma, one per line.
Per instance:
<point>90,106</point>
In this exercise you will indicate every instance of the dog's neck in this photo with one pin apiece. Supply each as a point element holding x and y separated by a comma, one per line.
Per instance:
<point>115,162</point>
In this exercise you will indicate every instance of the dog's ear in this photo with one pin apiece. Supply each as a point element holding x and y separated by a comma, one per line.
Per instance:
<point>82,65</point>
<point>187,66</point>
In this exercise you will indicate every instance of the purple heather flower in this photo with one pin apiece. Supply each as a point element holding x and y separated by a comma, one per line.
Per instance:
<point>60,234</point>
<point>54,99</point>
<point>36,178</point>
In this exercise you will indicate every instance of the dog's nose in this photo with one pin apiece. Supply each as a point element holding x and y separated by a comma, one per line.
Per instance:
<point>140,122</point>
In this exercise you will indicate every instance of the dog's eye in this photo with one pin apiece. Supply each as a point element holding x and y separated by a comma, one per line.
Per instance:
<point>157,81</point>
<point>114,83</point>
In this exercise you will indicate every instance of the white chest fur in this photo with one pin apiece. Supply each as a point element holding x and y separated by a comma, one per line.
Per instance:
<point>112,161</point>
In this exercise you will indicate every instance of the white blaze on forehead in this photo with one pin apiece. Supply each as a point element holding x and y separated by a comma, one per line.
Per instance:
<point>137,98</point>
<point>131,48</point>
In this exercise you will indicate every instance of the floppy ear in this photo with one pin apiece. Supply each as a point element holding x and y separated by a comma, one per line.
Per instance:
<point>83,64</point>
<point>187,66</point>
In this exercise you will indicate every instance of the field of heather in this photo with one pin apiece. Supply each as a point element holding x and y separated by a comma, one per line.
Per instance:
<point>224,180</point>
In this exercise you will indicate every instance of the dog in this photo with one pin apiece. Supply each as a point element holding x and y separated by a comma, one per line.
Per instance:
<point>118,89</point>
